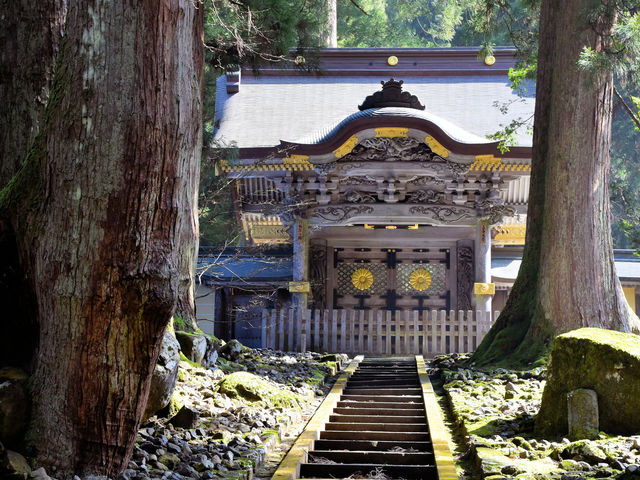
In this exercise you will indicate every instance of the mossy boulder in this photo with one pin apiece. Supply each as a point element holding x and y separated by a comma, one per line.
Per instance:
<point>605,361</point>
<point>192,345</point>
<point>255,389</point>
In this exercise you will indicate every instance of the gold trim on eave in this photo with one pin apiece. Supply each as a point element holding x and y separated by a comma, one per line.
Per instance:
<point>492,163</point>
<point>346,147</point>
<point>299,287</point>
<point>294,162</point>
<point>484,288</point>
<point>392,132</point>
<point>510,234</point>
<point>436,147</point>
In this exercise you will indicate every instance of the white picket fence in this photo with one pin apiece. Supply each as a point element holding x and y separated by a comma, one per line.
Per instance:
<point>375,332</point>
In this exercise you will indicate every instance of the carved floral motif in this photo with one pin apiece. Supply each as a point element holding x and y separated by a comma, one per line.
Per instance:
<point>362,278</point>
<point>420,279</point>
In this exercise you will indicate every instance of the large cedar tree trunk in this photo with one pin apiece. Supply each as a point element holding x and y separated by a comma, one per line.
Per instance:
<point>567,279</point>
<point>100,211</point>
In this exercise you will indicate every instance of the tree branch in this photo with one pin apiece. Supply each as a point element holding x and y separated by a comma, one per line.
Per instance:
<point>634,117</point>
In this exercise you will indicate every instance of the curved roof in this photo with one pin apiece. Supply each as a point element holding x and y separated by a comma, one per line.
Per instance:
<point>452,131</point>
<point>465,97</point>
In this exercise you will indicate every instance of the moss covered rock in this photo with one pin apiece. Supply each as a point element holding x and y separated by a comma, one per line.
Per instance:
<point>605,361</point>
<point>253,388</point>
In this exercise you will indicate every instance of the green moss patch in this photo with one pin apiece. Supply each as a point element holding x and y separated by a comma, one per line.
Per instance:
<point>255,389</point>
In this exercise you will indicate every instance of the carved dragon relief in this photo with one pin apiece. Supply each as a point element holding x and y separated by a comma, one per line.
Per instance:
<point>494,210</point>
<point>424,196</point>
<point>359,196</point>
<point>444,214</point>
<point>400,149</point>
<point>338,214</point>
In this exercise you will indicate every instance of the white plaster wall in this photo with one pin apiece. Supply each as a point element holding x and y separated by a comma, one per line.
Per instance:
<point>205,308</point>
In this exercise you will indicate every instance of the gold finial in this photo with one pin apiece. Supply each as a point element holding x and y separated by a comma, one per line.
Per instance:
<point>392,60</point>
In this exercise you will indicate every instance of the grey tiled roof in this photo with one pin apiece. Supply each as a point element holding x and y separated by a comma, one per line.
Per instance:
<point>296,108</point>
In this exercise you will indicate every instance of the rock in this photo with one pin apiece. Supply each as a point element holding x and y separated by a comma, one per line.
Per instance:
<point>164,376</point>
<point>633,469</point>
<point>211,355</point>
<point>231,350</point>
<point>170,460</point>
<point>585,449</point>
<point>16,465</point>
<point>185,418</point>
<point>618,465</point>
<point>192,345</point>
<point>253,388</point>
<point>582,415</point>
<point>40,474</point>
<point>607,362</point>
<point>569,464</point>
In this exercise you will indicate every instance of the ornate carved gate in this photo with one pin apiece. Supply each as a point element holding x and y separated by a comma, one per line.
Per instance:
<point>391,278</point>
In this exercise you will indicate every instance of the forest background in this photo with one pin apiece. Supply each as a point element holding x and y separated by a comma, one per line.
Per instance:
<point>235,32</point>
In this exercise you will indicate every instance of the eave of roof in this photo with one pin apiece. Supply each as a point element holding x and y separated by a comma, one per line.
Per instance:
<point>411,62</point>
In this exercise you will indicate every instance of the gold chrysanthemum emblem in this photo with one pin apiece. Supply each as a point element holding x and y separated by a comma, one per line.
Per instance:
<point>362,278</point>
<point>420,279</point>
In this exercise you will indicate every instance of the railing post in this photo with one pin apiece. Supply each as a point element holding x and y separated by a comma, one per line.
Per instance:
<point>303,330</point>
<point>387,331</point>
<point>325,332</point>
<point>316,330</point>
<point>343,331</point>
<point>263,329</point>
<point>334,332</point>
<point>281,325</point>
<point>290,327</point>
<point>443,332</point>
<point>416,333</point>
<point>379,348</point>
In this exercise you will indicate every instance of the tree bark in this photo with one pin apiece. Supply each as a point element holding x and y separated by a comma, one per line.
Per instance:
<point>331,35</point>
<point>101,210</point>
<point>567,279</point>
<point>30,35</point>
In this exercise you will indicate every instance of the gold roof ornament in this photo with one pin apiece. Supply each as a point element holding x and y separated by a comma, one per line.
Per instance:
<point>362,278</point>
<point>392,60</point>
<point>489,60</point>
<point>420,279</point>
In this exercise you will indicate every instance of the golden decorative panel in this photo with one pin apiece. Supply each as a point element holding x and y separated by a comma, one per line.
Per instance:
<point>362,279</point>
<point>510,234</point>
<point>421,278</point>
<point>392,132</point>
<point>484,288</point>
<point>346,147</point>
<point>436,147</point>
<point>299,287</point>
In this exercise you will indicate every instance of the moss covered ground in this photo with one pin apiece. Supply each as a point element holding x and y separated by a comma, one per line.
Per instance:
<point>494,410</point>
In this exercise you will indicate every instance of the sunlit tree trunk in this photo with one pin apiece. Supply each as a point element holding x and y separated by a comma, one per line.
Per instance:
<point>100,212</point>
<point>567,279</point>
